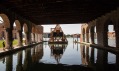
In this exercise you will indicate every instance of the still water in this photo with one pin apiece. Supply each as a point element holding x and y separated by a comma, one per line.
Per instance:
<point>68,54</point>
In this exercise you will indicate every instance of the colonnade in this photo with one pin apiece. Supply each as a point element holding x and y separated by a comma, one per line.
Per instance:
<point>31,32</point>
<point>98,28</point>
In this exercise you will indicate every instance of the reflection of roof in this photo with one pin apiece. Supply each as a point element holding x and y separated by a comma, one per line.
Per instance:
<point>57,51</point>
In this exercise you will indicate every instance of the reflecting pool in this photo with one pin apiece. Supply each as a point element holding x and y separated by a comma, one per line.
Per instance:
<point>72,54</point>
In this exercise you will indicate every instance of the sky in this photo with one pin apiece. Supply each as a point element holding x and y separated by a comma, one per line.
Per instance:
<point>70,28</point>
<point>67,28</point>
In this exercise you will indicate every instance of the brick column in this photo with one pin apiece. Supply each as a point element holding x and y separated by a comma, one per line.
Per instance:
<point>92,35</point>
<point>8,38</point>
<point>105,36</point>
<point>26,38</point>
<point>87,37</point>
<point>39,38</point>
<point>83,37</point>
<point>19,36</point>
<point>33,37</point>
<point>117,35</point>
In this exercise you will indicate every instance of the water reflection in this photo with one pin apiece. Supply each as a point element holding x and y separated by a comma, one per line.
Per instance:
<point>71,54</point>
<point>57,51</point>
<point>84,54</point>
<point>9,63</point>
<point>22,62</point>
<point>99,63</point>
<point>19,62</point>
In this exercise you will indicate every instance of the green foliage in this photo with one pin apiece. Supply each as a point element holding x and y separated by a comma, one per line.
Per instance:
<point>15,42</point>
<point>1,43</point>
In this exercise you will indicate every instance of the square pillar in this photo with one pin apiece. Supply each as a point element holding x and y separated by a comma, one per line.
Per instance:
<point>19,36</point>
<point>8,38</point>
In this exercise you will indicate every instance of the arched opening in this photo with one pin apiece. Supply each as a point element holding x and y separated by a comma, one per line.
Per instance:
<point>16,33</point>
<point>4,25</point>
<point>2,32</point>
<point>111,36</point>
<point>24,34</point>
<point>95,35</point>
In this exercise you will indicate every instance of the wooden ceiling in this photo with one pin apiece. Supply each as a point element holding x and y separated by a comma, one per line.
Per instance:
<point>60,11</point>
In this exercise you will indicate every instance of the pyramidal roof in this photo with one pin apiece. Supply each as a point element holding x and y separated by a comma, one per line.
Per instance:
<point>58,27</point>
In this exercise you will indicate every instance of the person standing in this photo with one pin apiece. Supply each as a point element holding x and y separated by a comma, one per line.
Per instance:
<point>3,45</point>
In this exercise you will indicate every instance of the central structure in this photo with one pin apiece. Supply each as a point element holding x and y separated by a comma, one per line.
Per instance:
<point>57,35</point>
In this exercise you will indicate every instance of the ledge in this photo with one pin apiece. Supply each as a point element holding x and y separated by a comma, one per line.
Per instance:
<point>7,52</point>
<point>108,48</point>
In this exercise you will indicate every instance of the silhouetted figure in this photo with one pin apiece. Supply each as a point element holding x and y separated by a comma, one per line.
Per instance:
<point>3,60</point>
<point>3,43</point>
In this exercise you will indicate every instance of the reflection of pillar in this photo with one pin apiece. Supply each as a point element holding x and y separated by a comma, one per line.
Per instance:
<point>8,38</point>
<point>19,36</point>
<point>27,60</point>
<point>92,55</point>
<point>77,37</point>
<point>9,63</point>
<point>73,38</point>
<point>33,54</point>
<point>117,62</point>
<point>19,62</point>
<point>82,48</point>
<point>92,35</point>
<point>102,60</point>
<point>87,53</point>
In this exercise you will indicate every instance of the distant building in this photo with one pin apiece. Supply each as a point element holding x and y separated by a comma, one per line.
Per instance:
<point>111,35</point>
<point>76,35</point>
<point>46,34</point>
